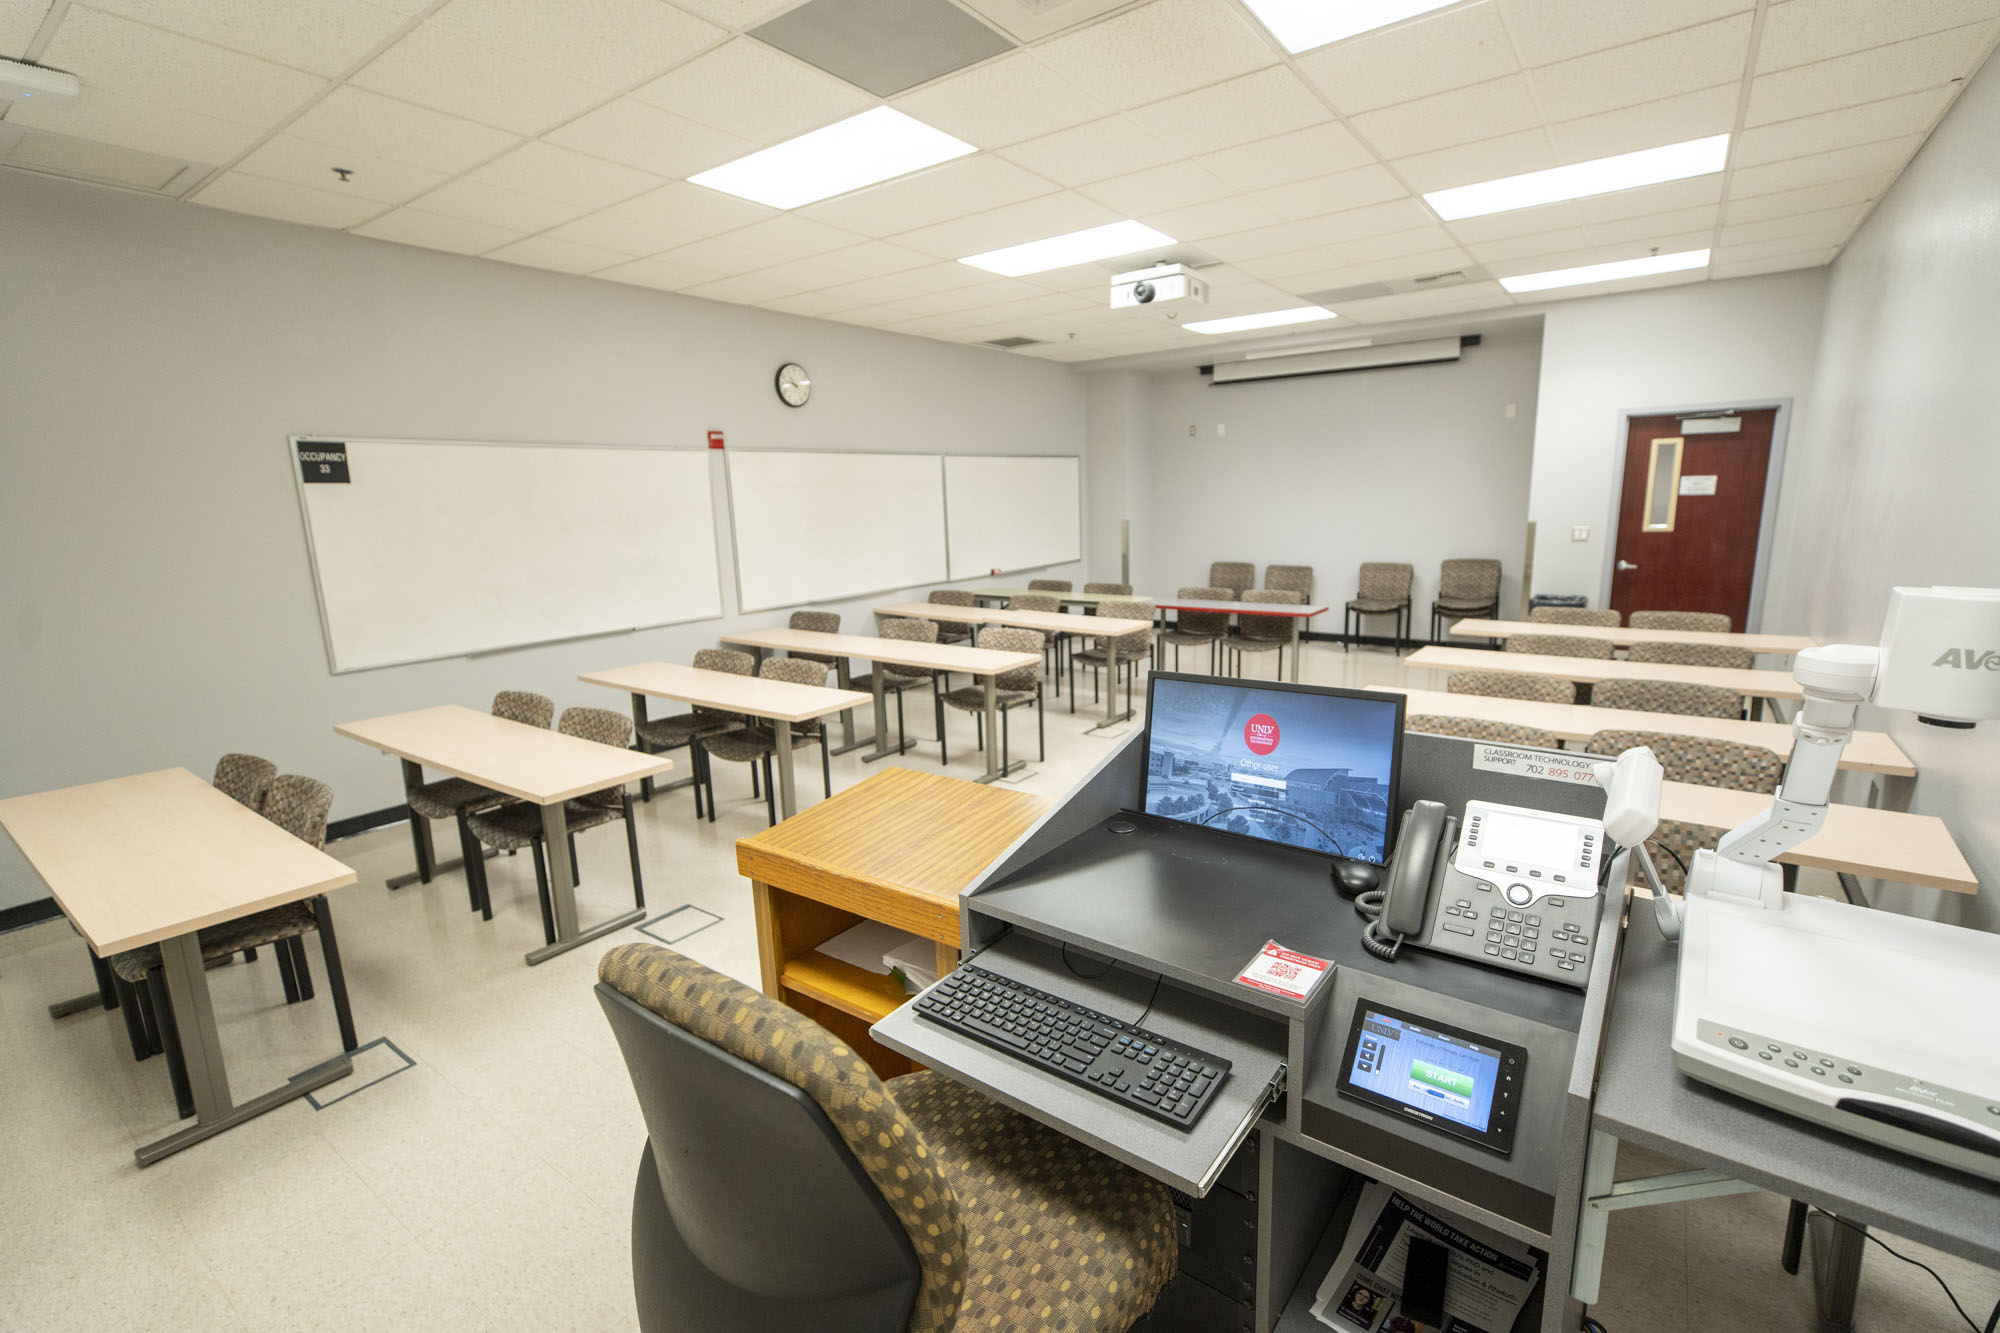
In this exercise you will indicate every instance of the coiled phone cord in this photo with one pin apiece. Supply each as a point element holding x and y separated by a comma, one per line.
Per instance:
<point>1376,938</point>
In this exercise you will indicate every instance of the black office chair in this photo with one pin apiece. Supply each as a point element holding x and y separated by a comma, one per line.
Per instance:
<point>785,1189</point>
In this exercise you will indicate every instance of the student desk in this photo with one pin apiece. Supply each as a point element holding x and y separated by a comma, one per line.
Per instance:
<point>1086,600</point>
<point>777,701</point>
<point>532,764</point>
<point>1045,622</point>
<point>1625,636</point>
<point>1854,840</point>
<point>896,848</point>
<point>1755,685</point>
<point>1297,613</point>
<point>151,859</point>
<point>981,662</point>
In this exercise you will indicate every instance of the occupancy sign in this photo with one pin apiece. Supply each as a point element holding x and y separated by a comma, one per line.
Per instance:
<point>322,460</point>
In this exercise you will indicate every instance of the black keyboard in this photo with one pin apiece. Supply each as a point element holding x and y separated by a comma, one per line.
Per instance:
<point>1145,1071</point>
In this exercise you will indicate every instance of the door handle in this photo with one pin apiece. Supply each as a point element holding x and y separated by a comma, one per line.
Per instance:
<point>1626,566</point>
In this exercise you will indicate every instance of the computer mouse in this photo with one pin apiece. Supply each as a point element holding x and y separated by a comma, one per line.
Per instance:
<point>1122,826</point>
<point>1353,878</point>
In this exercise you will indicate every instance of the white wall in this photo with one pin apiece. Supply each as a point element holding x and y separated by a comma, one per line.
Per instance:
<point>1118,422</point>
<point>1896,481</point>
<point>1415,464</point>
<point>1750,341</point>
<point>157,606</point>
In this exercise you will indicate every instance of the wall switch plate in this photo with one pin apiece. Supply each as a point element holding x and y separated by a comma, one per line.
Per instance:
<point>1221,430</point>
<point>1580,533</point>
<point>1510,411</point>
<point>1190,432</point>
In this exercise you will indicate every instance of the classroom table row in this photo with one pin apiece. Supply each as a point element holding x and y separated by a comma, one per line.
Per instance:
<point>1624,636</point>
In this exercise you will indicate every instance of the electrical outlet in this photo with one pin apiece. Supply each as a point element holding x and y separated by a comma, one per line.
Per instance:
<point>1580,533</point>
<point>1510,411</point>
<point>1221,430</point>
<point>1190,432</point>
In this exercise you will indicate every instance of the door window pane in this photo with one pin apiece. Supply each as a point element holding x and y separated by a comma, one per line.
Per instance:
<point>1663,484</point>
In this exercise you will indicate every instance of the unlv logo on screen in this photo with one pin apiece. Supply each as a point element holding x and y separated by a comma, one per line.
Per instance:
<point>1260,733</point>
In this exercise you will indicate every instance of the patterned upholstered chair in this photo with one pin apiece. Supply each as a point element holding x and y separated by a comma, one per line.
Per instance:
<point>1667,696</point>
<point>1012,689</point>
<point>1693,654</point>
<point>1573,615</point>
<point>1197,628</point>
<point>756,741</point>
<point>1710,621</point>
<point>950,632</point>
<point>1059,643</point>
<point>1051,585</point>
<point>1290,578</point>
<point>1263,634</point>
<point>1699,760</point>
<point>784,1188</point>
<point>895,680</point>
<point>816,622</point>
<point>518,824</point>
<point>657,735</point>
<point>299,805</point>
<point>1512,685</point>
<point>1109,589</point>
<point>1559,645</point>
<point>1035,602</point>
<point>245,778</point>
<point>1384,589</point>
<point>1480,729</point>
<point>1239,576</point>
<point>1120,654</point>
<point>1466,589</point>
<point>455,798</point>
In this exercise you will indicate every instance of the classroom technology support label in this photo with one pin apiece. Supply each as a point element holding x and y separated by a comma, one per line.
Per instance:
<point>1548,765</point>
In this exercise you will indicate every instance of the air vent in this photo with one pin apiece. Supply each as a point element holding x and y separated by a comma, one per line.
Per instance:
<point>1014,342</point>
<point>98,163</point>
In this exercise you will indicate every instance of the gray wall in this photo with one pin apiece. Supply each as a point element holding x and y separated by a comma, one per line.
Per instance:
<point>158,605</point>
<point>1901,459</point>
<point>1415,464</point>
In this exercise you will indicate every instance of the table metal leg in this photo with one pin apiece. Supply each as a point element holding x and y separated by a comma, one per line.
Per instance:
<point>881,750</point>
<point>781,737</point>
<point>1112,717</point>
<point>420,832</point>
<point>646,787</point>
<point>562,892</point>
<point>1297,639</point>
<point>845,679</point>
<point>1836,1248</point>
<point>993,769</point>
<point>201,1050</point>
<point>1602,1196</point>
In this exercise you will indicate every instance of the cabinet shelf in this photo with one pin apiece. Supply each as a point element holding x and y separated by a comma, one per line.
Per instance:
<point>866,995</point>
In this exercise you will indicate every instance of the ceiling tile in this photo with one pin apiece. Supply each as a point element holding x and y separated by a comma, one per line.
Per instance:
<point>1091,152</point>
<point>812,305</point>
<point>1218,218</point>
<point>626,236</point>
<point>690,210</point>
<point>1546,31</point>
<point>87,159</point>
<point>1723,266</point>
<point>1284,158</point>
<point>367,122</point>
<point>1332,194</point>
<point>789,236</point>
<point>1650,227</point>
<point>884,46</point>
<point>149,127</point>
<point>1890,118</point>
<point>1421,305</point>
<point>1680,279</point>
<point>605,42</point>
<point>1002,102</point>
<point>1784,246</point>
<point>549,172</point>
<point>950,190</point>
<point>737,13</point>
<point>876,291</point>
<point>1502,249</point>
<point>412,226</point>
<point>738,291</point>
<point>477,202</point>
<point>643,136</point>
<point>945,277</point>
<point>1432,54</point>
<point>1698,192</point>
<point>1155,189</point>
<point>658,272</point>
<point>1811,199</point>
<point>115,55</point>
<point>1158,50</point>
<point>20,20</point>
<point>1646,71</point>
<point>1483,160</point>
<point>563,256</point>
<point>1016,224</point>
<point>240,192</point>
<point>1827,226</point>
<point>1871,159</point>
<point>1867,76</point>
<point>1353,225</point>
<point>1695,115</point>
<point>447,71</point>
<point>287,157</point>
<point>790,97</point>
<point>1482,110</point>
<point>325,38</point>
<point>1236,112</point>
<point>855,263</point>
<point>1799,32</point>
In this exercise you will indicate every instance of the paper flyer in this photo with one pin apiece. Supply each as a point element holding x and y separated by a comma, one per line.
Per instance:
<point>1488,1278</point>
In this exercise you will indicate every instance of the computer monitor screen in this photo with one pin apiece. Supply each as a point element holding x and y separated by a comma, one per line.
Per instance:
<point>1307,766</point>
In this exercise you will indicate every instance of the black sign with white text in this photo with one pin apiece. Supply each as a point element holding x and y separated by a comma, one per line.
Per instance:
<point>322,460</point>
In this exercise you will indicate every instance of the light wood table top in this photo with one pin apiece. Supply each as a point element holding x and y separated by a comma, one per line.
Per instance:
<point>1867,752</point>
<point>1855,839</point>
<point>1294,609</point>
<point>528,763</point>
<point>1625,636</point>
<point>1074,598</point>
<point>1753,683</point>
<point>896,848</point>
<point>778,699</point>
<point>141,859</point>
<point>1048,622</point>
<point>896,652</point>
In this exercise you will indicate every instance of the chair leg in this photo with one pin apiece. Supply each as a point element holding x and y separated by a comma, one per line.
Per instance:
<point>937,706</point>
<point>336,979</point>
<point>542,892</point>
<point>632,849</point>
<point>575,870</point>
<point>1041,726</point>
<point>1072,682</point>
<point>467,855</point>
<point>135,1020</point>
<point>825,763</point>
<point>754,792</point>
<point>770,791</point>
<point>170,1041</point>
<point>150,1021</point>
<point>695,756</point>
<point>301,969</point>
<point>902,734</point>
<point>1003,740</point>
<point>285,977</point>
<point>979,732</point>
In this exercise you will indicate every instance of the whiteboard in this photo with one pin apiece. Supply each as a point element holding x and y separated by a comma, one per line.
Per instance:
<point>1006,512</point>
<point>439,549</point>
<point>813,527</point>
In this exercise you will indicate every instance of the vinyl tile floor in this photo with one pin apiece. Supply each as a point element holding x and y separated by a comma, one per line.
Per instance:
<point>486,1181</point>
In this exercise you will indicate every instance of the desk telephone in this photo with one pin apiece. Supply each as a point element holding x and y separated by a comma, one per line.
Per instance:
<point>1508,887</point>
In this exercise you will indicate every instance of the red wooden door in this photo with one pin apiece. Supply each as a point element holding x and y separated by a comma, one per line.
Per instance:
<point>1689,515</point>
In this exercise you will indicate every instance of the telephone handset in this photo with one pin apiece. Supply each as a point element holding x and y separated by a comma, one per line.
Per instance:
<point>1505,886</point>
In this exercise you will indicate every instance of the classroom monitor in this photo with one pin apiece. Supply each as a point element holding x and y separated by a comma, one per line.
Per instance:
<point>1302,765</point>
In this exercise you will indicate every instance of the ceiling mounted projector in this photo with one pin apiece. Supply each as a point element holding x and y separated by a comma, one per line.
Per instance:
<point>34,85</point>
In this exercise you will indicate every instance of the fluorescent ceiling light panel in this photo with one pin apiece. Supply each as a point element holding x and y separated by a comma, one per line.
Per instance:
<point>1300,25</point>
<point>1076,247</point>
<point>1270,319</point>
<point>1623,268</point>
<point>1580,180</point>
<point>874,146</point>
